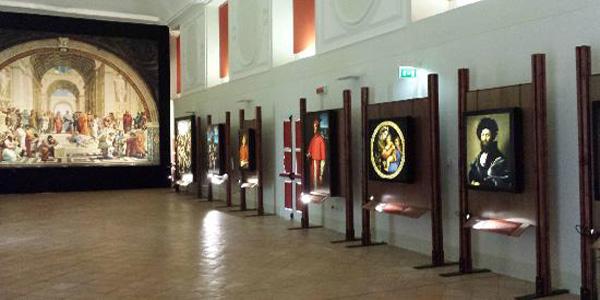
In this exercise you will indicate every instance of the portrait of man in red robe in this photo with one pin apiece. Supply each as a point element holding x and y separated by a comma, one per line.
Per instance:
<point>317,156</point>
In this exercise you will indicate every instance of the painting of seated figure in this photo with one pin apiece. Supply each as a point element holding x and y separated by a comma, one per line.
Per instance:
<point>389,150</point>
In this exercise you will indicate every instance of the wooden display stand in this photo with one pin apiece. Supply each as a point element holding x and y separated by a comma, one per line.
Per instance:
<point>340,185</point>
<point>423,193</point>
<point>257,174</point>
<point>347,168</point>
<point>531,203</point>
<point>304,221</point>
<point>227,158</point>
<point>588,90</point>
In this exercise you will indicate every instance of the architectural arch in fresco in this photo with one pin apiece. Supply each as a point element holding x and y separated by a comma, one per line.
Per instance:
<point>65,48</point>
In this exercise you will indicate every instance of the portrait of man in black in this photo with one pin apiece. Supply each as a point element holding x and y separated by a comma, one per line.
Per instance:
<point>490,169</point>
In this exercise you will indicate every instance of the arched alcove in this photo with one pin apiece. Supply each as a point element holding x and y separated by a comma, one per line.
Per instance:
<point>57,85</point>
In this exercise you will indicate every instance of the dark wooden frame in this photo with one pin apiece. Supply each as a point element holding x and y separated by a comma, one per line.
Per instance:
<point>200,171</point>
<point>343,119</point>
<point>539,164</point>
<point>348,188</point>
<point>226,157</point>
<point>587,176</point>
<point>19,180</point>
<point>209,191</point>
<point>255,125</point>
<point>431,103</point>
<point>194,150</point>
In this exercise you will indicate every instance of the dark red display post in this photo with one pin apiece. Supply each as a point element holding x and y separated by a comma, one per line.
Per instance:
<point>243,176</point>
<point>588,90</point>
<point>209,190</point>
<point>346,168</point>
<point>530,202</point>
<point>421,194</point>
<point>228,158</point>
<point>200,170</point>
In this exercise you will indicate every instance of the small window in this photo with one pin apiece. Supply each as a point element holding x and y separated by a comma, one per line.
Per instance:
<point>304,25</point>
<point>178,63</point>
<point>224,40</point>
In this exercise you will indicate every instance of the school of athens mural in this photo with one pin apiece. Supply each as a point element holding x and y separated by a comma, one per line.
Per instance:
<point>66,102</point>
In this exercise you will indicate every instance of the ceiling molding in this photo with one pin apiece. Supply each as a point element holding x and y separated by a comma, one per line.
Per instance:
<point>28,7</point>
<point>185,9</point>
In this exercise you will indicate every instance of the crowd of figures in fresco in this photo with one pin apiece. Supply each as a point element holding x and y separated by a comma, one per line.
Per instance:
<point>184,148</point>
<point>28,136</point>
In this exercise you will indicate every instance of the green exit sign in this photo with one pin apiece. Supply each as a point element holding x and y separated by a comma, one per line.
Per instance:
<point>408,72</point>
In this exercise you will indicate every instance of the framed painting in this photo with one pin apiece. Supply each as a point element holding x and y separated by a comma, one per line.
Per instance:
<point>493,150</point>
<point>185,149</point>
<point>215,143</point>
<point>247,151</point>
<point>389,150</point>
<point>319,143</point>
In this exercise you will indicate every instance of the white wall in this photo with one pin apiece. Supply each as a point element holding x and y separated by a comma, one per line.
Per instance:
<point>494,38</point>
<point>422,9</point>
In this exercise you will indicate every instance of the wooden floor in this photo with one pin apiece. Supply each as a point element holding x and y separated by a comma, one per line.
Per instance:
<point>154,244</point>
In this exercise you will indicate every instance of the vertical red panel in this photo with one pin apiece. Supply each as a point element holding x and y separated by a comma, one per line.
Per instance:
<point>224,40</point>
<point>178,63</point>
<point>299,158</point>
<point>298,134</point>
<point>299,203</point>
<point>304,24</point>
<point>287,146</point>
<point>287,162</point>
<point>287,134</point>
<point>288,195</point>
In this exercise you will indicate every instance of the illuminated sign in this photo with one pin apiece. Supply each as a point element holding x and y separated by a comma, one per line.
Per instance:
<point>407,72</point>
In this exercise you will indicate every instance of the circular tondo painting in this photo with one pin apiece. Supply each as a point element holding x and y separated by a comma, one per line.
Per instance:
<point>388,145</point>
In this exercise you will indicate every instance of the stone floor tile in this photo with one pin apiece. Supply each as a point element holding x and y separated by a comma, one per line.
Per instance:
<point>156,244</point>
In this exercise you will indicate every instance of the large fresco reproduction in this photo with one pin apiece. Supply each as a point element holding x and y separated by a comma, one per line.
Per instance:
<point>77,101</point>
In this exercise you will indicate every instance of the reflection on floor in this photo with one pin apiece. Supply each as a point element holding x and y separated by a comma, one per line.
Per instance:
<point>154,244</point>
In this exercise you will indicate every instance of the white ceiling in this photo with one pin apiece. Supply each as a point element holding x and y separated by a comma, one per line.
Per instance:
<point>141,11</point>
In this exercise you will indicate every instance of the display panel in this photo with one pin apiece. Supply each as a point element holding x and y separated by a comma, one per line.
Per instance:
<point>184,128</point>
<point>389,150</point>
<point>247,151</point>
<point>215,141</point>
<point>77,100</point>
<point>493,149</point>
<point>318,140</point>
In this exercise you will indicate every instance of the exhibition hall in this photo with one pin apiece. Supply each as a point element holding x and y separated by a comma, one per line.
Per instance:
<point>299,149</point>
